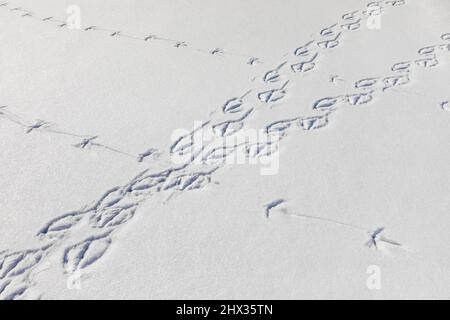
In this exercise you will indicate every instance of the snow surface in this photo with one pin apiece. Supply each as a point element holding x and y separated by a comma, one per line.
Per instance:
<point>351,173</point>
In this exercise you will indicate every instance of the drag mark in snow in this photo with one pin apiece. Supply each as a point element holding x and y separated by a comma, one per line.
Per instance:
<point>118,205</point>
<point>303,50</point>
<point>86,140</point>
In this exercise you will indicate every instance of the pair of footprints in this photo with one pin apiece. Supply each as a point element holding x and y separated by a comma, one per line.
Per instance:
<point>369,87</point>
<point>280,128</point>
<point>308,63</point>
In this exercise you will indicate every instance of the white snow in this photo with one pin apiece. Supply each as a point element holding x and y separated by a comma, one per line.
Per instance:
<point>107,193</point>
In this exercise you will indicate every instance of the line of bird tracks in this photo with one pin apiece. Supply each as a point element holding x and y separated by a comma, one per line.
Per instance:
<point>80,238</point>
<point>179,45</point>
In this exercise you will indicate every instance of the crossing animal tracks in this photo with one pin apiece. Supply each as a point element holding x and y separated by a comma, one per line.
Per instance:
<point>119,34</point>
<point>87,235</point>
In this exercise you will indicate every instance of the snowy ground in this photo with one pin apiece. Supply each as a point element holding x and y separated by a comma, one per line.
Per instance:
<point>123,176</point>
